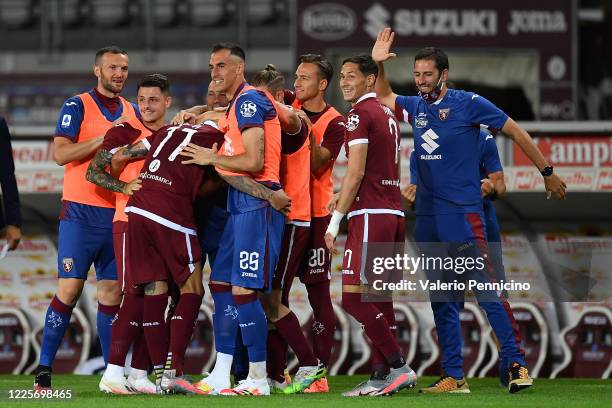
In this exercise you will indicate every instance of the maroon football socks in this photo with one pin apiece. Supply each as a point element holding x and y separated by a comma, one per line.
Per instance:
<point>324,324</point>
<point>181,329</point>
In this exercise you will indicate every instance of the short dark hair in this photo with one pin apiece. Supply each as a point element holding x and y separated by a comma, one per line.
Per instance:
<point>365,62</point>
<point>325,67</point>
<point>234,49</point>
<point>435,54</point>
<point>110,49</point>
<point>270,78</point>
<point>155,80</point>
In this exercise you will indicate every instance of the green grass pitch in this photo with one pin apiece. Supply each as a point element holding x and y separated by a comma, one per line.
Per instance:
<point>559,393</point>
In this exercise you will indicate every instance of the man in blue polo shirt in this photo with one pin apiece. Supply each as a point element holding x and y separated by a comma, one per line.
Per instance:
<point>446,128</point>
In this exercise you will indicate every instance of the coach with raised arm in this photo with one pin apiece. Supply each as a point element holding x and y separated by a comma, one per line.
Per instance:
<point>449,210</point>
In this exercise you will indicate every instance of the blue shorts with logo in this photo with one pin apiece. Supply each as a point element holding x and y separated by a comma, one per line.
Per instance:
<point>81,245</point>
<point>250,245</point>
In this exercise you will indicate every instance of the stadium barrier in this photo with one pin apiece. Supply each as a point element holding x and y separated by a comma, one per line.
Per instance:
<point>587,345</point>
<point>15,332</point>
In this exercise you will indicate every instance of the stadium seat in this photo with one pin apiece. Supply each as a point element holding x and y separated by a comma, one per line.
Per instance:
<point>110,13</point>
<point>474,325</point>
<point>210,12</point>
<point>165,12</point>
<point>15,339</point>
<point>72,13</point>
<point>587,345</point>
<point>261,12</point>
<point>429,354</point>
<point>16,14</point>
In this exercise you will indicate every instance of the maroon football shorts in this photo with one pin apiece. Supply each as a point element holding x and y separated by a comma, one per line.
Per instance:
<point>155,252</point>
<point>119,233</point>
<point>316,263</point>
<point>293,248</point>
<point>364,229</point>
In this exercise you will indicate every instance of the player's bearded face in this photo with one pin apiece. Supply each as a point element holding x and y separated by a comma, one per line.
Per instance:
<point>428,80</point>
<point>112,72</point>
<point>353,83</point>
<point>307,81</point>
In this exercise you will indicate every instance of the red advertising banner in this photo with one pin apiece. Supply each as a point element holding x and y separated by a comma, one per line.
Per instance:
<point>574,150</point>
<point>584,179</point>
<point>546,27</point>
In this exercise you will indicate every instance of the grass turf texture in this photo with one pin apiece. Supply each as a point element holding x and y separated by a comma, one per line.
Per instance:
<point>559,393</point>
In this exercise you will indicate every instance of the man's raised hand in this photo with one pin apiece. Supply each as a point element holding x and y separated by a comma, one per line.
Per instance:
<point>384,40</point>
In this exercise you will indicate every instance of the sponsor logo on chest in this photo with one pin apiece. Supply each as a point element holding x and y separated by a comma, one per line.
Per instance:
<point>421,121</point>
<point>430,145</point>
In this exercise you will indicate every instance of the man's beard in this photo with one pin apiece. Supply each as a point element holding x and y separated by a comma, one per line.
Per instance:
<point>108,85</point>
<point>432,96</point>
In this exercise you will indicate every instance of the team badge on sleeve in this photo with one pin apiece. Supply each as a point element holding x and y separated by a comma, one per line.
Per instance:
<point>248,109</point>
<point>67,264</point>
<point>352,122</point>
<point>443,113</point>
<point>66,119</point>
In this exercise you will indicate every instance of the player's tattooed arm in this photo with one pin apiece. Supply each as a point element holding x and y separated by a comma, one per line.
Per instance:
<point>97,173</point>
<point>135,151</point>
<point>279,200</point>
<point>248,186</point>
<point>261,149</point>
